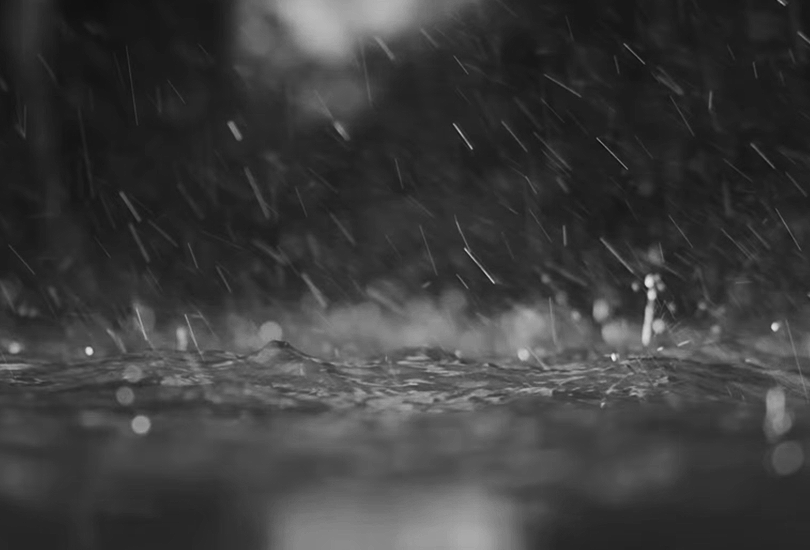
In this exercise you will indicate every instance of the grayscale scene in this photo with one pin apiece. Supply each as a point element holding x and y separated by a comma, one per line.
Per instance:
<point>404,274</point>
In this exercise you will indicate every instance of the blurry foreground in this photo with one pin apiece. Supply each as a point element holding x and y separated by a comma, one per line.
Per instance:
<point>525,478</point>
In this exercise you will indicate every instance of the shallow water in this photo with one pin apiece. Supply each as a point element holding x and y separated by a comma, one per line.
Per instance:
<point>281,450</point>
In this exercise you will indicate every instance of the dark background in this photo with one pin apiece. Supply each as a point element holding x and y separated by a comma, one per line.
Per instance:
<point>609,139</point>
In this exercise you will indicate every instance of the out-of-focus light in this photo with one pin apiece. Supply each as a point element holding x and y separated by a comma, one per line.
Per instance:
<point>141,424</point>
<point>787,458</point>
<point>125,396</point>
<point>452,519</point>
<point>778,419</point>
<point>601,310</point>
<point>89,351</point>
<point>181,336</point>
<point>133,374</point>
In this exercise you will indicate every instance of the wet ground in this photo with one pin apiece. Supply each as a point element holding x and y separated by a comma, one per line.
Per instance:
<point>413,450</point>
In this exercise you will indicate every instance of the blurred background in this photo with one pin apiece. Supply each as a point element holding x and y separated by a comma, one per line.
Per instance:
<point>363,174</point>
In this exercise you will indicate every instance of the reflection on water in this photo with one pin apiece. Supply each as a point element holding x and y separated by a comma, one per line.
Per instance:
<point>551,477</point>
<point>203,455</point>
<point>441,518</point>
